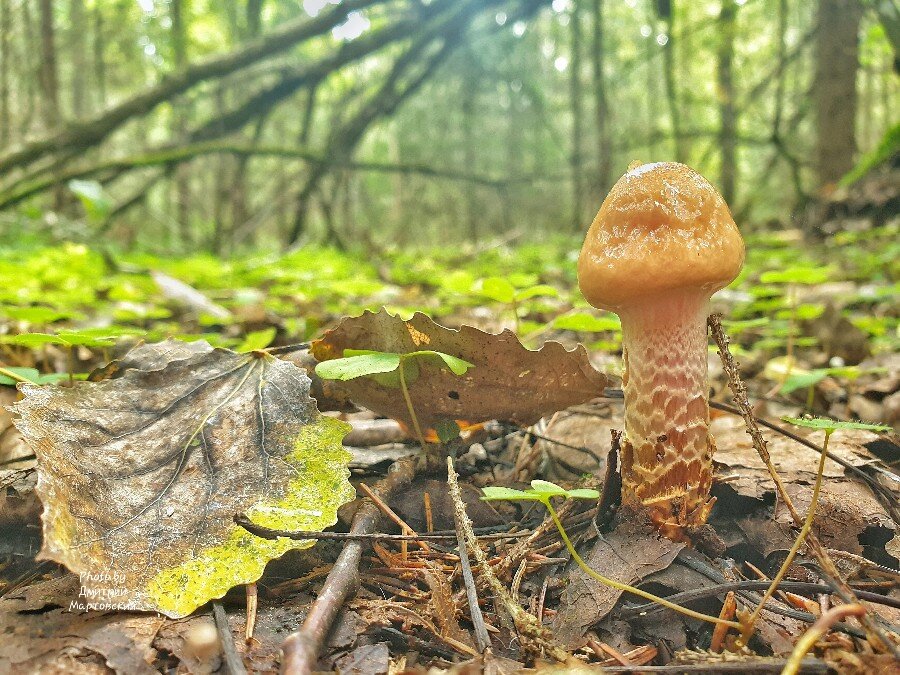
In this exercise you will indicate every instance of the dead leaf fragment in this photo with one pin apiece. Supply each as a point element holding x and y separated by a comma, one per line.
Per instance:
<point>508,383</point>
<point>40,635</point>
<point>627,554</point>
<point>141,475</point>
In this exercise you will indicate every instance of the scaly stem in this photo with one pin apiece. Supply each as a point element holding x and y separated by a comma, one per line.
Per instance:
<point>409,405</point>
<point>666,453</point>
<point>625,587</point>
<point>807,525</point>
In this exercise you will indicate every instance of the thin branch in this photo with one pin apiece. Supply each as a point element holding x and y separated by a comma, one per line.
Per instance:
<point>301,648</point>
<point>90,132</point>
<point>233,665</point>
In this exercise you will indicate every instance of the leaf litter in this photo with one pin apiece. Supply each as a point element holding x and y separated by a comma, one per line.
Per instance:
<point>415,600</point>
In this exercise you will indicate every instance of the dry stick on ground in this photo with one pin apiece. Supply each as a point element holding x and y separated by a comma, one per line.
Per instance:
<point>233,665</point>
<point>252,605</point>
<point>300,650</point>
<point>533,635</point>
<point>482,639</point>
<point>268,533</point>
<point>875,635</point>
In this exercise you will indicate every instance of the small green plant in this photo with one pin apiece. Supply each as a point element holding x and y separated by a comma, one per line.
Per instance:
<point>810,379</point>
<point>369,363</point>
<point>829,427</point>
<point>543,491</point>
<point>503,291</point>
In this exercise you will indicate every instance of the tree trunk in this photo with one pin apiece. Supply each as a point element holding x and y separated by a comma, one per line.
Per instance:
<point>727,113</point>
<point>601,104</point>
<point>575,97</point>
<point>837,60</point>
<point>5,58</point>
<point>666,11</point>
<point>99,58</point>
<point>177,11</point>
<point>32,70</point>
<point>470,152</point>
<point>49,76</point>
<point>78,50</point>
<point>240,212</point>
<point>254,17</point>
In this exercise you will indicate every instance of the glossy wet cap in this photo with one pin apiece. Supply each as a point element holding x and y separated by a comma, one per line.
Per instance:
<point>662,227</point>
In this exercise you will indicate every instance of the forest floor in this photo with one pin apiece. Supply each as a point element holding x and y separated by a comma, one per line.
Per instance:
<point>815,329</point>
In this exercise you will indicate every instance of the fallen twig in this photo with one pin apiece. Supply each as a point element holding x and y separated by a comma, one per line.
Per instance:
<point>482,639</point>
<point>534,636</point>
<point>301,649</point>
<point>269,533</point>
<point>231,660</point>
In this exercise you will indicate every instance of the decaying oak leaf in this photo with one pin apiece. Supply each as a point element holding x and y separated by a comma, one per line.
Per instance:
<point>628,554</point>
<point>141,474</point>
<point>508,383</point>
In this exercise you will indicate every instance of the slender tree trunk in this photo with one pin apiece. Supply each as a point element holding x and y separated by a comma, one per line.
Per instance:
<point>470,152</point>
<point>666,12</point>
<point>99,48</point>
<point>837,61</point>
<point>78,50</point>
<point>575,100</point>
<point>177,12</point>
<point>239,209</point>
<point>652,96</point>
<point>32,69</point>
<point>601,104</point>
<point>49,75</point>
<point>5,58</point>
<point>254,17</point>
<point>50,84</point>
<point>727,112</point>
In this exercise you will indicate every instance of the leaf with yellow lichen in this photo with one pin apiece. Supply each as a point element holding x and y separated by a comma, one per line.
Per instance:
<point>142,470</point>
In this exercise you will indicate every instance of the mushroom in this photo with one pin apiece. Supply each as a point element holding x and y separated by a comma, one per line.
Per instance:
<point>662,243</point>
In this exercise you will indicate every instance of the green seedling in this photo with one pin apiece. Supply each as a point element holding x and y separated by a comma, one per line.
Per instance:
<point>829,427</point>
<point>501,290</point>
<point>369,363</point>
<point>543,491</point>
<point>810,379</point>
<point>255,340</point>
<point>12,376</point>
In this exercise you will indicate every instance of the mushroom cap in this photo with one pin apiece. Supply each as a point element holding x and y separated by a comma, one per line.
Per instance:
<point>662,227</point>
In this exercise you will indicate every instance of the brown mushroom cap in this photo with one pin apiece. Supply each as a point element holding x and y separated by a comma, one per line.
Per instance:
<point>662,227</point>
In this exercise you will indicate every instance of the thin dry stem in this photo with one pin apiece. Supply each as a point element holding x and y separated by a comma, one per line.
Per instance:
<point>874,634</point>
<point>534,636</point>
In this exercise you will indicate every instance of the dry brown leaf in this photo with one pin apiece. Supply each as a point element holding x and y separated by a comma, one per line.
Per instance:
<point>41,635</point>
<point>508,383</point>
<point>627,554</point>
<point>847,507</point>
<point>142,474</point>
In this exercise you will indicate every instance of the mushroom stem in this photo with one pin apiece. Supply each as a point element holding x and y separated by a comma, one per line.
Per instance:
<point>667,452</point>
